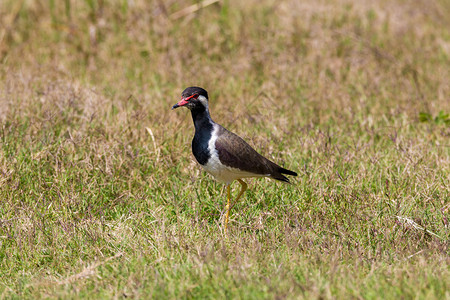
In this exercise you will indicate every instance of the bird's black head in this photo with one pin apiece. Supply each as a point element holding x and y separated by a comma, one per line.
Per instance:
<point>193,98</point>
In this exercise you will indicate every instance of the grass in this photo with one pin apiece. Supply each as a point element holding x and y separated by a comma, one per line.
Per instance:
<point>101,197</point>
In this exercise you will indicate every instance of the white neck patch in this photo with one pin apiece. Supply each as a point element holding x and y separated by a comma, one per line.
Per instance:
<point>203,100</point>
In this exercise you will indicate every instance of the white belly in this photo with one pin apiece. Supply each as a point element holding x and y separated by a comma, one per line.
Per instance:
<point>225,174</point>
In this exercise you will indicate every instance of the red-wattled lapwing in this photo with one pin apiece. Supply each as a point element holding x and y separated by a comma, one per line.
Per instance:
<point>222,153</point>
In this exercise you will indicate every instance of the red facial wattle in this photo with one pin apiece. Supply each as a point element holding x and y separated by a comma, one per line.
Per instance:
<point>184,101</point>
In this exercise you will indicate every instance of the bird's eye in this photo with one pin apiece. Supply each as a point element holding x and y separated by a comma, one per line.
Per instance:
<point>195,96</point>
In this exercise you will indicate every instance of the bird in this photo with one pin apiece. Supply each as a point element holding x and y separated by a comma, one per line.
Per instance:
<point>223,154</point>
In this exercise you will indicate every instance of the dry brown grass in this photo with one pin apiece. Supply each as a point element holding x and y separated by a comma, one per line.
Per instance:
<point>101,196</point>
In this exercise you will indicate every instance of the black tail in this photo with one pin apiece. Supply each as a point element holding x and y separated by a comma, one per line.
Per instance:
<point>279,175</point>
<point>287,172</point>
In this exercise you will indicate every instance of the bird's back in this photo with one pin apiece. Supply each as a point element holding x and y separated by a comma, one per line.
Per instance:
<point>234,152</point>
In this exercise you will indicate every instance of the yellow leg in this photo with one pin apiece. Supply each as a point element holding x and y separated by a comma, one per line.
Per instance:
<point>229,207</point>
<point>243,189</point>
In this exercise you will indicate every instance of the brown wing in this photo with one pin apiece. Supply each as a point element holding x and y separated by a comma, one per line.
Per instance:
<point>236,153</point>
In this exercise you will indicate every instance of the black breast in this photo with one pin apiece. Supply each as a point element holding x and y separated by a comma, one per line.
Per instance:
<point>200,143</point>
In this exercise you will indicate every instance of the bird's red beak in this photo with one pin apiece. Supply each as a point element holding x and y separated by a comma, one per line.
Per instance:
<point>184,101</point>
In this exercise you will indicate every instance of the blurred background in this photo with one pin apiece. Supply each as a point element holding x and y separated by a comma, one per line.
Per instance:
<point>374,56</point>
<point>97,174</point>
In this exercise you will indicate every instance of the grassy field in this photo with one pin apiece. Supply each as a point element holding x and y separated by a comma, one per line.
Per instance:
<point>100,196</point>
